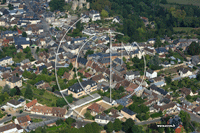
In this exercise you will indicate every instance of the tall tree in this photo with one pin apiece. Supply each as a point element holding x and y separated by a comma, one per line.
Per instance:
<point>117,125</point>
<point>6,89</point>
<point>109,127</point>
<point>28,93</point>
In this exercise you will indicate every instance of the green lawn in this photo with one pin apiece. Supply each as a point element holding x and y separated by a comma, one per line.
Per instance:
<point>188,2</point>
<point>47,98</point>
<point>36,120</point>
<point>186,29</point>
<point>2,114</point>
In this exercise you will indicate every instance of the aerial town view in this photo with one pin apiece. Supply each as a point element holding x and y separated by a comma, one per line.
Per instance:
<point>100,66</point>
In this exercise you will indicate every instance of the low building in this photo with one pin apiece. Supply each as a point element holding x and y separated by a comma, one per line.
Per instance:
<point>14,81</point>
<point>104,119</point>
<point>14,103</point>
<point>128,113</point>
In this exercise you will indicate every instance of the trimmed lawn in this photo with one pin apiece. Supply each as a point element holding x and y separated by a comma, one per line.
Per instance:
<point>36,120</point>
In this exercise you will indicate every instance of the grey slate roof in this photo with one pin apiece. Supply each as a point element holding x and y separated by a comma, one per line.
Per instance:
<point>77,87</point>
<point>14,79</point>
<point>128,111</point>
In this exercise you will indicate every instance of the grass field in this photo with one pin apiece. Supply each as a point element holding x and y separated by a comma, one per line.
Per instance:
<point>187,29</point>
<point>47,98</point>
<point>188,2</point>
<point>36,120</point>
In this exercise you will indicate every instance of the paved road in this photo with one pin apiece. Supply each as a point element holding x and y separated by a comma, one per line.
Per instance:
<point>24,114</point>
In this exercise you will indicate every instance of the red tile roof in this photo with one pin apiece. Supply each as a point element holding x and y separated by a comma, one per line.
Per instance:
<point>33,102</point>
<point>96,108</point>
<point>19,31</point>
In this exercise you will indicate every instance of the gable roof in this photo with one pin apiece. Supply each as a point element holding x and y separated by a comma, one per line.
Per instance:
<point>128,111</point>
<point>14,102</point>
<point>161,91</point>
<point>24,119</point>
<point>96,108</point>
<point>33,102</point>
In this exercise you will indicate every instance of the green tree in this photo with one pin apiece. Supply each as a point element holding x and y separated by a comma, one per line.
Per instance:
<point>24,34</point>
<point>198,76</point>
<point>163,1</point>
<point>194,48</point>
<point>6,88</point>
<point>60,102</point>
<point>88,128</point>
<point>120,107</point>
<point>57,5</point>
<point>13,92</point>
<point>59,122</point>
<point>70,120</point>
<point>44,71</point>
<point>128,124</point>
<point>109,127</point>
<point>14,117</point>
<point>28,93</point>
<point>117,126</point>
<point>104,13</point>
<point>168,80</point>
<point>88,115</point>
<point>10,6</point>
<point>95,126</point>
<point>37,50</point>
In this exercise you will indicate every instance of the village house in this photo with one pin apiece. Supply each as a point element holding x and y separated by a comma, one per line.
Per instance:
<point>187,91</point>
<point>14,81</point>
<point>29,105</point>
<point>95,109</point>
<point>49,111</point>
<point>151,74</point>
<point>23,121</point>
<point>6,61</point>
<point>183,72</point>
<point>94,15</point>
<point>77,91</point>
<point>127,113</point>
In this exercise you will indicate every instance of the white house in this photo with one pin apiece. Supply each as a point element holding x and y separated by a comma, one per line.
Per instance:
<point>151,74</point>
<point>130,75</point>
<point>116,20</point>
<point>6,61</point>
<point>94,15</point>
<point>103,119</point>
<point>85,19</point>
<point>183,72</point>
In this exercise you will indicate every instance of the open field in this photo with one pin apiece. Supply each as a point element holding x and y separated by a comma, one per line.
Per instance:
<point>188,2</point>
<point>186,29</point>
